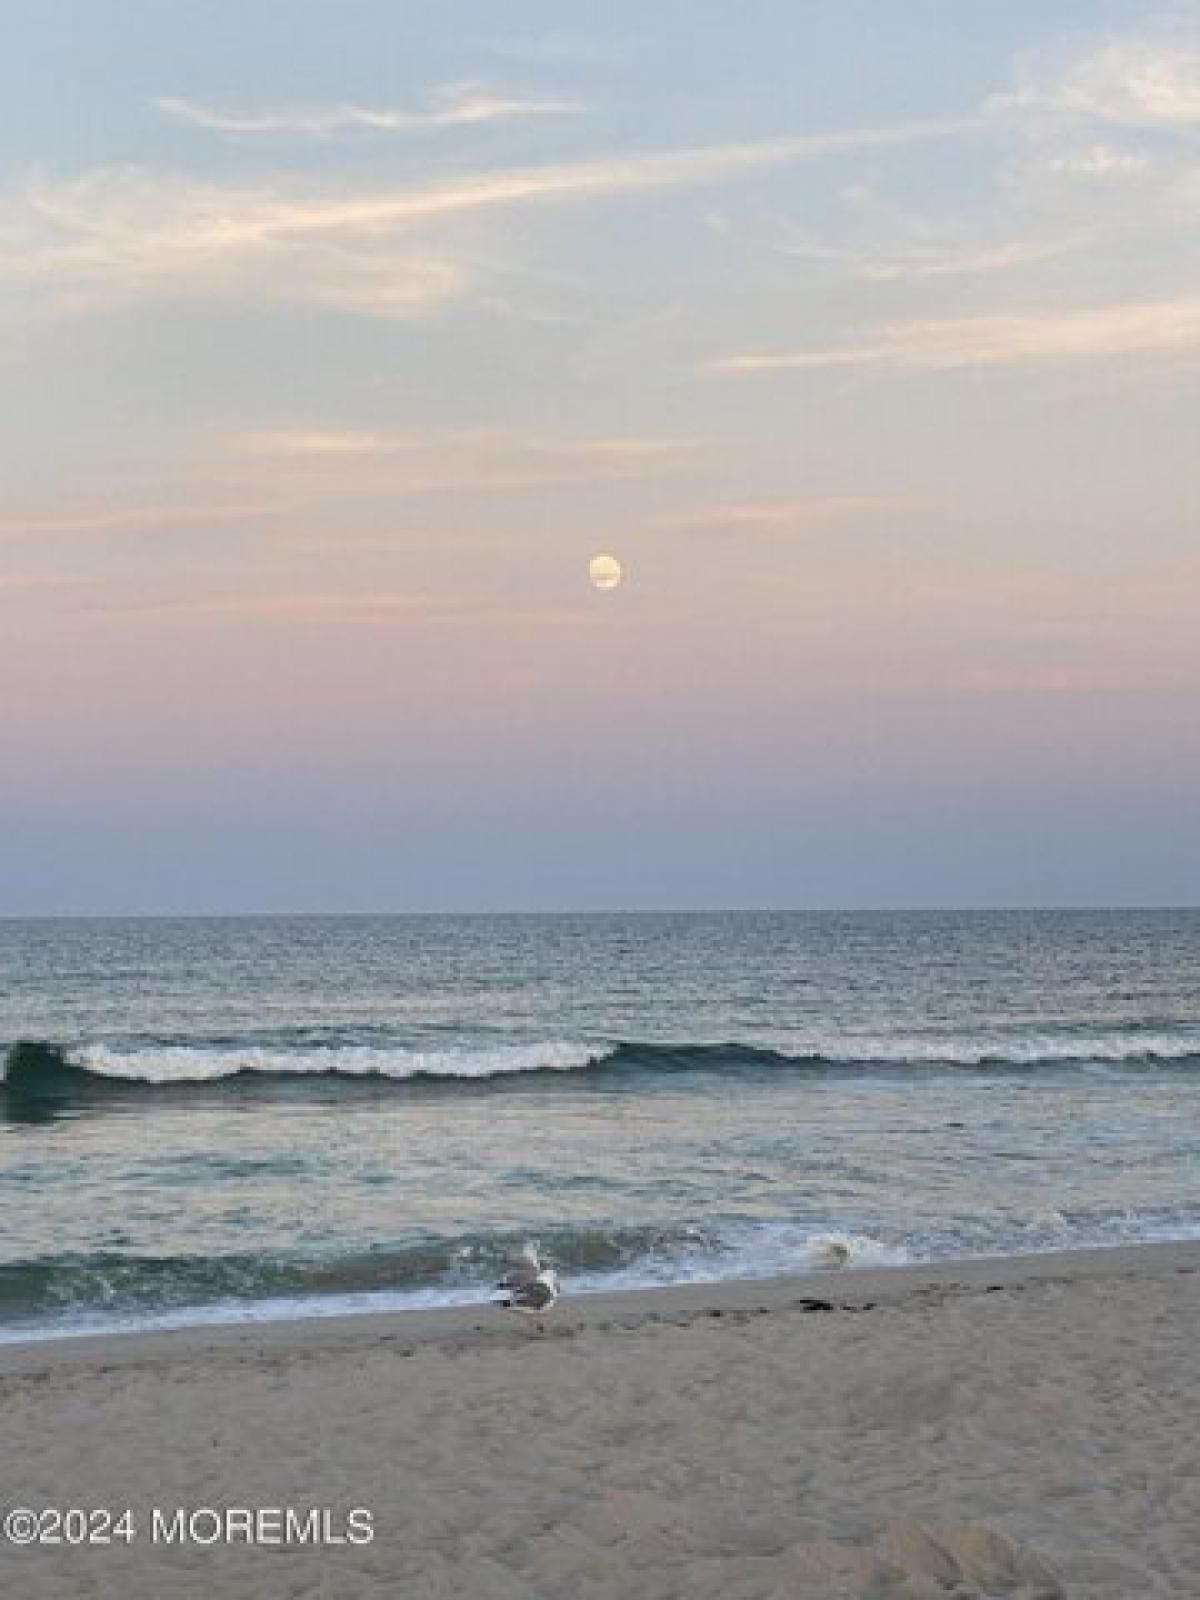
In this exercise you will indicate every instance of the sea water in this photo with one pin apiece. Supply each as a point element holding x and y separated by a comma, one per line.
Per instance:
<point>214,1119</point>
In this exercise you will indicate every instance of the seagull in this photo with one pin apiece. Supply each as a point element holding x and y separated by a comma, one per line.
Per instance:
<point>836,1253</point>
<point>524,1269</point>
<point>528,1284</point>
<point>535,1295</point>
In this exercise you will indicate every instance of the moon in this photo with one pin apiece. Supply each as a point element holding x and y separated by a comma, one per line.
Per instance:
<point>604,572</point>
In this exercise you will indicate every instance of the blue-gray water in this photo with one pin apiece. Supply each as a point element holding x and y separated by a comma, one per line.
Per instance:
<point>246,1117</point>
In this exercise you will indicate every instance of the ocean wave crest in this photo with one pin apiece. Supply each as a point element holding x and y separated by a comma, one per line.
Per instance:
<point>33,1066</point>
<point>192,1064</point>
<point>997,1050</point>
<point>63,1288</point>
<point>39,1069</point>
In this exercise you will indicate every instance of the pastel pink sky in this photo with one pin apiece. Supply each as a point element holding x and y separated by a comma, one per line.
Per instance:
<point>325,375</point>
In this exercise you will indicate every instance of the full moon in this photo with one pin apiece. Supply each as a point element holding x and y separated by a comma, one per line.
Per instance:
<point>604,571</point>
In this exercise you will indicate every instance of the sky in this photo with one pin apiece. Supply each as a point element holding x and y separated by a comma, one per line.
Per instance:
<point>336,339</point>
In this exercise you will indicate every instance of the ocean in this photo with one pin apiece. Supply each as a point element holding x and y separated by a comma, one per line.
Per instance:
<point>269,1117</point>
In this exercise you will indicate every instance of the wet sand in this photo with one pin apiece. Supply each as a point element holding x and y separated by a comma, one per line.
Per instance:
<point>1023,1428</point>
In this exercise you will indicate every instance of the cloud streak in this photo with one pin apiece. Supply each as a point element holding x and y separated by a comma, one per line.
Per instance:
<point>362,462</point>
<point>469,105</point>
<point>987,259</point>
<point>785,515</point>
<point>1170,327</point>
<point>382,605</point>
<point>124,233</point>
<point>339,443</point>
<point>931,258</point>
<point>405,611</point>
<point>135,519</point>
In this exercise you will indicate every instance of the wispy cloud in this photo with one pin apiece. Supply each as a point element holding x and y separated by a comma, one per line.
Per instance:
<point>1169,327</point>
<point>371,462</point>
<point>1133,82</point>
<point>319,443</point>
<point>997,258</point>
<point>136,519</point>
<point>278,480</point>
<point>1094,173</point>
<point>126,234</point>
<point>1105,174</point>
<point>1099,161</point>
<point>407,611</point>
<point>501,441</point>
<point>122,233</point>
<point>784,515</point>
<point>929,258</point>
<point>465,105</point>
<point>338,606</point>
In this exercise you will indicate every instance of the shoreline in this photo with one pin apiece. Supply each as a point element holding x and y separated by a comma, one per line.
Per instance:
<point>846,1290</point>
<point>1013,1426</point>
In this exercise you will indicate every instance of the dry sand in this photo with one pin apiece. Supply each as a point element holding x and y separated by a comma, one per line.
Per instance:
<point>1017,1428</point>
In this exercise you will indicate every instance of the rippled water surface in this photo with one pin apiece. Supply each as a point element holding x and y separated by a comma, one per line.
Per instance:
<point>215,1118</point>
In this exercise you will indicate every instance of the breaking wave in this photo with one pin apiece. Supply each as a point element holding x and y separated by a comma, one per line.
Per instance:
<point>40,1069</point>
<point>57,1291</point>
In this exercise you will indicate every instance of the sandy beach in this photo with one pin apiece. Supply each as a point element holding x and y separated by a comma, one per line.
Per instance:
<point>1010,1428</point>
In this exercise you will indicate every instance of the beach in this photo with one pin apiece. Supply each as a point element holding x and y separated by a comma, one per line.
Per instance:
<point>1017,1427</point>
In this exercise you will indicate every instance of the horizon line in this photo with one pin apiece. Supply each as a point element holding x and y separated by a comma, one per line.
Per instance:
<point>973,908</point>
